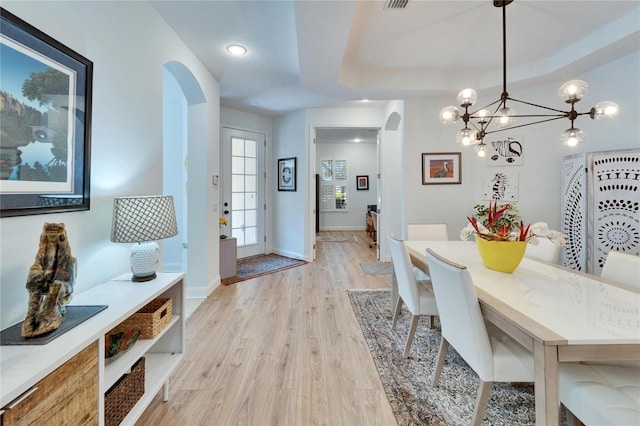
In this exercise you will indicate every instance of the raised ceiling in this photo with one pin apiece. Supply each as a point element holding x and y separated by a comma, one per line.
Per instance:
<point>307,53</point>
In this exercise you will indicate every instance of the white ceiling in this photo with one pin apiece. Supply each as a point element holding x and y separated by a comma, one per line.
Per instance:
<point>316,53</point>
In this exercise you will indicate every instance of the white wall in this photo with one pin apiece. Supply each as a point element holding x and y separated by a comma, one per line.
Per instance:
<point>540,176</point>
<point>361,160</point>
<point>129,44</point>
<point>289,215</point>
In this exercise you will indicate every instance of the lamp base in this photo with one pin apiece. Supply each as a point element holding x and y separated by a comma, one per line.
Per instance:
<point>139,279</point>
<point>144,260</point>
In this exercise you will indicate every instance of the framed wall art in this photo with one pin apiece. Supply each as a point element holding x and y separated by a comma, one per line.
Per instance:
<point>46,91</point>
<point>362,183</point>
<point>287,174</point>
<point>441,168</point>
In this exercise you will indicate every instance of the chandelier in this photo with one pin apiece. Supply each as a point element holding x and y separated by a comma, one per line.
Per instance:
<point>503,117</point>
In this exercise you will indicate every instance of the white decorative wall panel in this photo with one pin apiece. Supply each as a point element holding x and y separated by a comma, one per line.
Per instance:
<point>614,215</point>
<point>574,215</point>
<point>601,207</point>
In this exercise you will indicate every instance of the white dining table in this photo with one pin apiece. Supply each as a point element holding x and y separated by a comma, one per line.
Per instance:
<point>561,315</point>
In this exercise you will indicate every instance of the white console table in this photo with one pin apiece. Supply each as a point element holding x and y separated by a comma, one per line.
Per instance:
<point>21,367</point>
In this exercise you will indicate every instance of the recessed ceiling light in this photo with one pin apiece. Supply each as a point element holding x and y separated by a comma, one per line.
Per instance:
<point>236,49</point>
<point>357,140</point>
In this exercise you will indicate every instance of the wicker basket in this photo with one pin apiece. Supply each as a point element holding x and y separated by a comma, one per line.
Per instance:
<point>123,395</point>
<point>150,320</point>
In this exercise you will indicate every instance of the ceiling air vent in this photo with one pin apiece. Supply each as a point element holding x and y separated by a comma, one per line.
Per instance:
<point>395,4</point>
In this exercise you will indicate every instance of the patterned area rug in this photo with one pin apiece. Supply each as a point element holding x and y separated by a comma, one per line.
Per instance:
<point>377,268</point>
<point>255,266</point>
<point>407,381</point>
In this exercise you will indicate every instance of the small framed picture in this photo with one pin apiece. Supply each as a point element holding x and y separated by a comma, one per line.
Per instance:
<point>362,183</point>
<point>441,168</point>
<point>287,174</point>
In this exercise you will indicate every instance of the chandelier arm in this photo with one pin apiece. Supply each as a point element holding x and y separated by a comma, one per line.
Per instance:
<point>536,105</point>
<point>487,106</point>
<point>522,125</point>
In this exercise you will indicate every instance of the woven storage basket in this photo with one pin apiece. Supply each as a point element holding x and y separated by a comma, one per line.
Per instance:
<point>150,320</point>
<point>122,396</point>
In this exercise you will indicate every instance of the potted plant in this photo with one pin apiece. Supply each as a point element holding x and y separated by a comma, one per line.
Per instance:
<point>501,235</point>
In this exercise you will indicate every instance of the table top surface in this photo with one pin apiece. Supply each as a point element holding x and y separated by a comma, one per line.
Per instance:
<point>582,309</point>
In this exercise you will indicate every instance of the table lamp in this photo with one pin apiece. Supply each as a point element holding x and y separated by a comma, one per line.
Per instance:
<point>142,220</point>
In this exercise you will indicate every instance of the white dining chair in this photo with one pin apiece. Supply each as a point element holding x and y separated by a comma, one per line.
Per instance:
<point>491,353</point>
<point>546,250</point>
<point>622,268</point>
<point>417,296</point>
<point>426,232</point>
<point>599,394</point>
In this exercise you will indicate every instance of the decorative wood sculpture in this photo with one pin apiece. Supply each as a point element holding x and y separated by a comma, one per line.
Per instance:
<point>50,282</point>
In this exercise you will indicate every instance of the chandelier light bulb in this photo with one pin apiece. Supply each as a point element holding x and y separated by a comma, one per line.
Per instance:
<point>449,115</point>
<point>572,137</point>
<point>604,109</point>
<point>482,116</point>
<point>467,97</point>
<point>505,117</point>
<point>466,137</point>
<point>572,91</point>
<point>481,150</point>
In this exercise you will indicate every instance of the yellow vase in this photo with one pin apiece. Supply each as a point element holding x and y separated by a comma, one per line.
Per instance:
<point>503,256</point>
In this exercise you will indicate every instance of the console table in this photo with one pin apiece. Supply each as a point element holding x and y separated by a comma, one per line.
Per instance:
<point>24,367</point>
<point>228,257</point>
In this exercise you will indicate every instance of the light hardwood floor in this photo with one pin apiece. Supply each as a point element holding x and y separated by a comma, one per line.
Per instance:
<point>283,349</point>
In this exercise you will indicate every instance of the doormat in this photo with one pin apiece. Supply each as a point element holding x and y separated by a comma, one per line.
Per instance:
<point>332,239</point>
<point>377,268</point>
<point>263,264</point>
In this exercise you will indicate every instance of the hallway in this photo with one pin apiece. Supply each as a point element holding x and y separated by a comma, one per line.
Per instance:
<point>282,349</point>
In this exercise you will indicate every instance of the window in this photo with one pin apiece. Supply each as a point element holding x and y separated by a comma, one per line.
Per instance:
<point>333,188</point>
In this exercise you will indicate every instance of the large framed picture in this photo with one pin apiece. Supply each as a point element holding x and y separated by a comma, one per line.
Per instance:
<point>441,168</point>
<point>45,124</point>
<point>287,174</point>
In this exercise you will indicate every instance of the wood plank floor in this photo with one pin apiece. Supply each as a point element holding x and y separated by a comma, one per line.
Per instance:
<point>282,349</point>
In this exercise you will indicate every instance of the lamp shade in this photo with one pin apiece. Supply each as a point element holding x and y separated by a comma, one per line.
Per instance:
<point>142,220</point>
<point>137,219</point>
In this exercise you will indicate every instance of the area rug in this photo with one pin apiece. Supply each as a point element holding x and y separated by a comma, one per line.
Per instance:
<point>377,268</point>
<point>406,381</point>
<point>332,239</point>
<point>255,266</point>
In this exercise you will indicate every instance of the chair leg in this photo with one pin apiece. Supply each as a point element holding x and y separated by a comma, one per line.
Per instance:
<point>432,321</point>
<point>412,332</point>
<point>396,313</point>
<point>484,391</point>
<point>442,354</point>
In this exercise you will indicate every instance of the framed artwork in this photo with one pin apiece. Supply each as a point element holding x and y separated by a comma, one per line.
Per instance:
<point>506,152</point>
<point>46,89</point>
<point>362,183</point>
<point>441,168</point>
<point>287,174</point>
<point>500,185</point>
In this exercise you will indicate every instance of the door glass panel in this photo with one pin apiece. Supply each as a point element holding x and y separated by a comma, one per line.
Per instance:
<point>237,183</point>
<point>237,147</point>
<point>237,219</point>
<point>237,165</point>
<point>250,166</point>
<point>250,200</point>
<point>237,201</point>
<point>250,235</point>
<point>250,148</point>
<point>250,218</point>
<point>250,183</point>
<point>239,234</point>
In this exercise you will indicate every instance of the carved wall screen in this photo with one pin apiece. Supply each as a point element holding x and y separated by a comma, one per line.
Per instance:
<point>604,189</point>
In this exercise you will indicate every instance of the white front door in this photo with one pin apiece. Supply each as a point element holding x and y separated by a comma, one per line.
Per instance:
<point>243,189</point>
